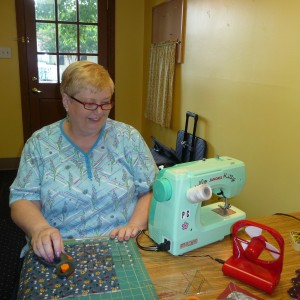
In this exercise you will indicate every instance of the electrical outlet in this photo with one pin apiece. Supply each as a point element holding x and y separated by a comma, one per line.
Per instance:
<point>5,52</point>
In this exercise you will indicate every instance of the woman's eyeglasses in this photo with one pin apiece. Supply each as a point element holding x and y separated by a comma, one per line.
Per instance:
<point>93,106</point>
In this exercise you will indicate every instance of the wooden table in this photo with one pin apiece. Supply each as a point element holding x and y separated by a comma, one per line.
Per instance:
<point>175,277</point>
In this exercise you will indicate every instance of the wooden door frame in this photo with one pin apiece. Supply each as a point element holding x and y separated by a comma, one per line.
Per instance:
<point>107,59</point>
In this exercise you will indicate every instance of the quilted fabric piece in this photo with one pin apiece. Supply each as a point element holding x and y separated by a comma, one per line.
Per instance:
<point>94,274</point>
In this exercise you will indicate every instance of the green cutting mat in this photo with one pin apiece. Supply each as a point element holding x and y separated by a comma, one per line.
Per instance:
<point>105,269</point>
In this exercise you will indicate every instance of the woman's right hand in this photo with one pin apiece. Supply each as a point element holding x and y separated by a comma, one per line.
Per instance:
<point>46,240</point>
<point>47,243</point>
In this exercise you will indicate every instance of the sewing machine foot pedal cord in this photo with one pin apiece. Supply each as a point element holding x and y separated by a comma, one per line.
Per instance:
<point>165,246</point>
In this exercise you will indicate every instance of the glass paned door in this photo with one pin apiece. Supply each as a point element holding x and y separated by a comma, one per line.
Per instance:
<point>53,34</point>
<point>66,31</point>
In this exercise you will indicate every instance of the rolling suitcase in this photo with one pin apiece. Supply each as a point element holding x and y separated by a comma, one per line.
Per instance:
<point>190,147</point>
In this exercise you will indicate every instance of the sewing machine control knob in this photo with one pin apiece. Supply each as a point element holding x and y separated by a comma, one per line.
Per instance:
<point>162,190</point>
<point>199,193</point>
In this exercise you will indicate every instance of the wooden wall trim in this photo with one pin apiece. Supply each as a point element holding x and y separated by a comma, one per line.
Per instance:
<point>9,163</point>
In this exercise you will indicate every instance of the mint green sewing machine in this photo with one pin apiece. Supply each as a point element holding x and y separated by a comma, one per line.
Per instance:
<point>178,220</point>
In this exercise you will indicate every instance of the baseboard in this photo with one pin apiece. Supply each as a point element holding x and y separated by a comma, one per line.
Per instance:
<point>11,163</point>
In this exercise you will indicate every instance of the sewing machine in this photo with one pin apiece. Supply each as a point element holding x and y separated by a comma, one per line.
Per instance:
<point>178,221</point>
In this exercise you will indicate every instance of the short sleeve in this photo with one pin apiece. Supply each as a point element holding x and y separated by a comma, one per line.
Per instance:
<point>28,181</point>
<point>143,166</point>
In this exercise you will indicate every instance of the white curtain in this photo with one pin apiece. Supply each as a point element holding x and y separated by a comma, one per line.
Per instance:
<point>160,83</point>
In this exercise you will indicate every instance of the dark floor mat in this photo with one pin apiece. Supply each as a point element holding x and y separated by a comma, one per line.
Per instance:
<point>6,179</point>
<point>11,242</point>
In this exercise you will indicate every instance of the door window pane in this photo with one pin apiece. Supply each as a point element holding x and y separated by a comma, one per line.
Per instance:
<point>66,30</point>
<point>88,39</point>
<point>46,37</point>
<point>67,10</point>
<point>88,11</point>
<point>67,38</point>
<point>45,10</point>
<point>89,58</point>
<point>64,61</point>
<point>47,68</point>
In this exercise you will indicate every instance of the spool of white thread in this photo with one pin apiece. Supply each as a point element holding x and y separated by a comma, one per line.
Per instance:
<point>199,193</point>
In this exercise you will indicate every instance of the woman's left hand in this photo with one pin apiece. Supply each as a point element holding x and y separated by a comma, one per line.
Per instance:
<point>125,232</point>
<point>137,222</point>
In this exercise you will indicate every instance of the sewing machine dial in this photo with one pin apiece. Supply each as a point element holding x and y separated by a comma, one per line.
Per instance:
<point>162,190</point>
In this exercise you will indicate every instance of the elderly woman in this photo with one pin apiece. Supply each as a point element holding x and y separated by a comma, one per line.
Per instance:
<point>86,175</point>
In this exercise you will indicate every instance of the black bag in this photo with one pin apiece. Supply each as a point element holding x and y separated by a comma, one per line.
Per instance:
<point>163,155</point>
<point>189,147</point>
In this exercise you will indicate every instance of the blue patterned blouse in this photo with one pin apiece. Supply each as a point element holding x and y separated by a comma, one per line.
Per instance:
<point>85,193</point>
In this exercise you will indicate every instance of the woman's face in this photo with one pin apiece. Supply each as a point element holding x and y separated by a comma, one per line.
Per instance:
<point>83,121</point>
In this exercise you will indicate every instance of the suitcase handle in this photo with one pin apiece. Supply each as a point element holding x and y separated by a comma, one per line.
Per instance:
<point>191,114</point>
<point>195,117</point>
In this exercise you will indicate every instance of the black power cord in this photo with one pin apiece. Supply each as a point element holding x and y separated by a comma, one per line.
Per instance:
<point>286,215</point>
<point>165,246</point>
<point>219,260</point>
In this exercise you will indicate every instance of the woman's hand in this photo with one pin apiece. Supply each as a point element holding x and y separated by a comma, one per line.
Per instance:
<point>125,232</point>
<point>45,240</point>
<point>47,243</point>
<point>137,222</point>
